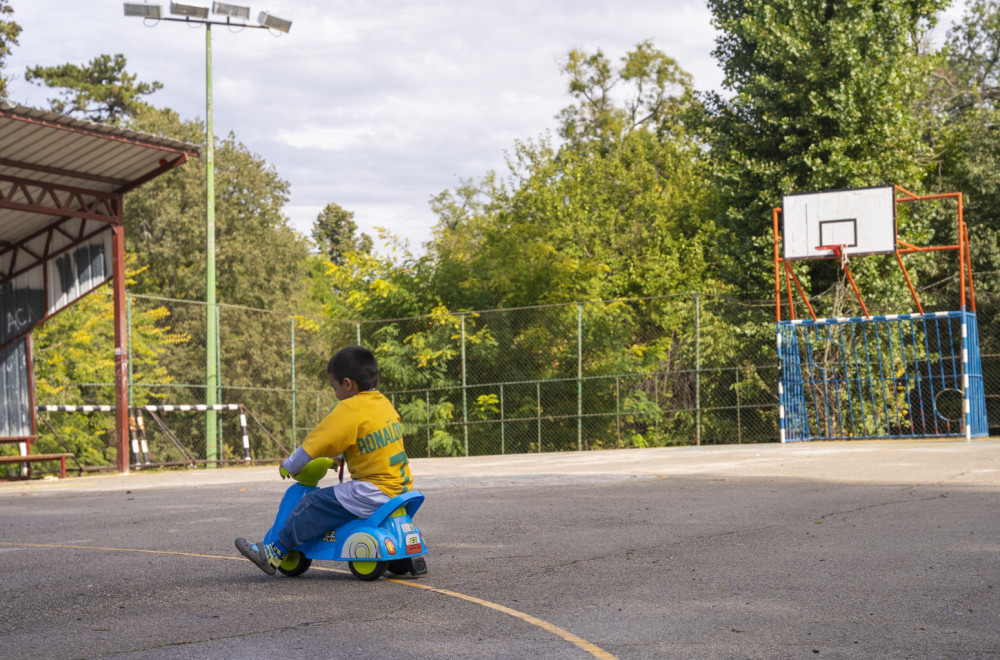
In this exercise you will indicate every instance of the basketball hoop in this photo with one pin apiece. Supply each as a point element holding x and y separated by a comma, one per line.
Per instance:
<point>838,251</point>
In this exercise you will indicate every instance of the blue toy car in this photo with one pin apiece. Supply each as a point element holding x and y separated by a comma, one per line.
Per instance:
<point>386,540</point>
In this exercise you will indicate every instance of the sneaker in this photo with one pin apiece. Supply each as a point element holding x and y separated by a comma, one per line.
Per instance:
<point>267,557</point>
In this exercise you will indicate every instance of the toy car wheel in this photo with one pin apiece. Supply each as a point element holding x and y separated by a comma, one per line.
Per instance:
<point>295,564</point>
<point>367,570</point>
<point>399,566</point>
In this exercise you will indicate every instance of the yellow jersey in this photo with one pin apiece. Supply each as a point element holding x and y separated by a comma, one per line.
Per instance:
<point>368,431</point>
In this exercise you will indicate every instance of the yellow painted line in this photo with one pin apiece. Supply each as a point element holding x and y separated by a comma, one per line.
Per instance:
<point>91,547</point>
<point>583,644</point>
<point>592,649</point>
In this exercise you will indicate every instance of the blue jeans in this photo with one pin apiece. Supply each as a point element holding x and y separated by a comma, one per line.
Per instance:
<point>317,512</point>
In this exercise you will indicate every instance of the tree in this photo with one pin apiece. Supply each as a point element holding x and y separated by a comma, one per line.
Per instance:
<point>335,232</point>
<point>259,259</point>
<point>970,78</point>
<point>102,91</point>
<point>260,263</point>
<point>74,354</point>
<point>966,98</point>
<point>967,91</point>
<point>825,95</point>
<point>617,210</point>
<point>9,32</point>
<point>648,90</point>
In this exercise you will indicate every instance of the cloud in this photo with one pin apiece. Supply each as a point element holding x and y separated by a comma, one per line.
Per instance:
<point>375,106</point>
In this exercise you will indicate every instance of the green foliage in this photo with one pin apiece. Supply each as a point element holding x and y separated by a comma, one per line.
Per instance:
<point>826,95</point>
<point>433,418</point>
<point>102,91</point>
<point>485,406</point>
<point>335,232</point>
<point>9,33</point>
<point>615,211</point>
<point>970,78</point>
<point>649,90</point>
<point>967,89</point>
<point>259,257</point>
<point>76,347</point>
<point>644,191</point>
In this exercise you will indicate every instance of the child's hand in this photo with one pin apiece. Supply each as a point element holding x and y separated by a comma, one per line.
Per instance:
<point>283,472</point>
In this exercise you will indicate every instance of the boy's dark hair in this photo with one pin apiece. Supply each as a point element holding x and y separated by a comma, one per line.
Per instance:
<point>357,363</point>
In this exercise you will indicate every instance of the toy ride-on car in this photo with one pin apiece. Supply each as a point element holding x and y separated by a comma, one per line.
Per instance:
<point>387,540</point>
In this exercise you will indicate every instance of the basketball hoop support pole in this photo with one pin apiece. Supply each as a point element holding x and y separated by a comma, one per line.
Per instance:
<point>838,253</point>
<point>909,282</point>
<point>798,285</point>
<point>777,269</point>
<point>964,256</point>
<point>857,293</point>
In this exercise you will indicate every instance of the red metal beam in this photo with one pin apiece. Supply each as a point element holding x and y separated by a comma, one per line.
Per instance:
<point>121,349</point>
<point>54,199</point>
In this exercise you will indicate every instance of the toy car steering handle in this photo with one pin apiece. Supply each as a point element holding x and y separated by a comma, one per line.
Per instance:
<point>313,471</point>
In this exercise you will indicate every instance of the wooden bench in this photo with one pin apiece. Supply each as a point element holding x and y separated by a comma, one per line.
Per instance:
<point>38,458</point>
<point>28,441</point>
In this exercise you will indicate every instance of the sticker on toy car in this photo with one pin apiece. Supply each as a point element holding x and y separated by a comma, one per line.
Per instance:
<point>413,544</point>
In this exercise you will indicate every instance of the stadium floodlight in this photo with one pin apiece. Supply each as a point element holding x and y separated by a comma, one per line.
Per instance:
<point>142,10</point>
<point>232,11</point>
<point>191,11</point>
<point>273,22</point>
<point>194,15</point>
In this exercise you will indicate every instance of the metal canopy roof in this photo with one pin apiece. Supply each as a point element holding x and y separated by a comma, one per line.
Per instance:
<point>54,167</point>
<point>62,236</point>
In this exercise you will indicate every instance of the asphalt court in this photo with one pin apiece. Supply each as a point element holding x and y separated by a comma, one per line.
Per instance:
<point>836,550</point>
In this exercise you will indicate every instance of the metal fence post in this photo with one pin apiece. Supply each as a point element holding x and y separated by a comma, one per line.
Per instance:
<point>357,327</point>
<point>538,404</point>
<point>465,393</point>
<point>128,344</point>
<point>618,410</point>
<point>218,371</point>
<point>295,437</point>
<point>502,430</point>
<point>739,426</point>
<point>579,376</point>
<point>697,368</point>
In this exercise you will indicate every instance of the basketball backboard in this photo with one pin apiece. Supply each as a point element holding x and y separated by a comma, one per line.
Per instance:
<point>862,221</point>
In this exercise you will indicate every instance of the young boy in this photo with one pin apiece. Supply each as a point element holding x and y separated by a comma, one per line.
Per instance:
<point>366,429</point>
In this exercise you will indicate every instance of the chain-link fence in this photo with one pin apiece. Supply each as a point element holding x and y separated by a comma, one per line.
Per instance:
<point>675,370</point>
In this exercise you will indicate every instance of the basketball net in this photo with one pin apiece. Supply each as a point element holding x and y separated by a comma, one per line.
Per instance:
<point>841,292</point>
<point>838,251</point>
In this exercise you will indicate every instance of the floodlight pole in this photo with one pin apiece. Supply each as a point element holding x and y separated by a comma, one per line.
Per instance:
<point>212,385</point>
<point>211,325</point>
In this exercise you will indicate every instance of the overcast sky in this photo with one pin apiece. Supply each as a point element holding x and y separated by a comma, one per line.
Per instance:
<point>379,105</point>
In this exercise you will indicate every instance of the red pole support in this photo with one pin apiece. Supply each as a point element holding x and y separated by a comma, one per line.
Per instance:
<point>121,336</point>
<point>777,270</point>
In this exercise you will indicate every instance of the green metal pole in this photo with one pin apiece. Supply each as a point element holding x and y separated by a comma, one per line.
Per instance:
<point>503,436</point>
<point>295,440</point>
<point>618,411</point>
<point>579,377</point>
<point>538,404</point>
<point>212,329</point>
<point>739,426</point>
<point>697,367</point>
<point>131,373</point>
<point>218,371</point>
<point>128,323</point>
<point>465,394</point>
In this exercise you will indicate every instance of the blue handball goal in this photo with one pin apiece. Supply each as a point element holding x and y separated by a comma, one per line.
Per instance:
<point>894,376</point>
<point>891,376</point>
